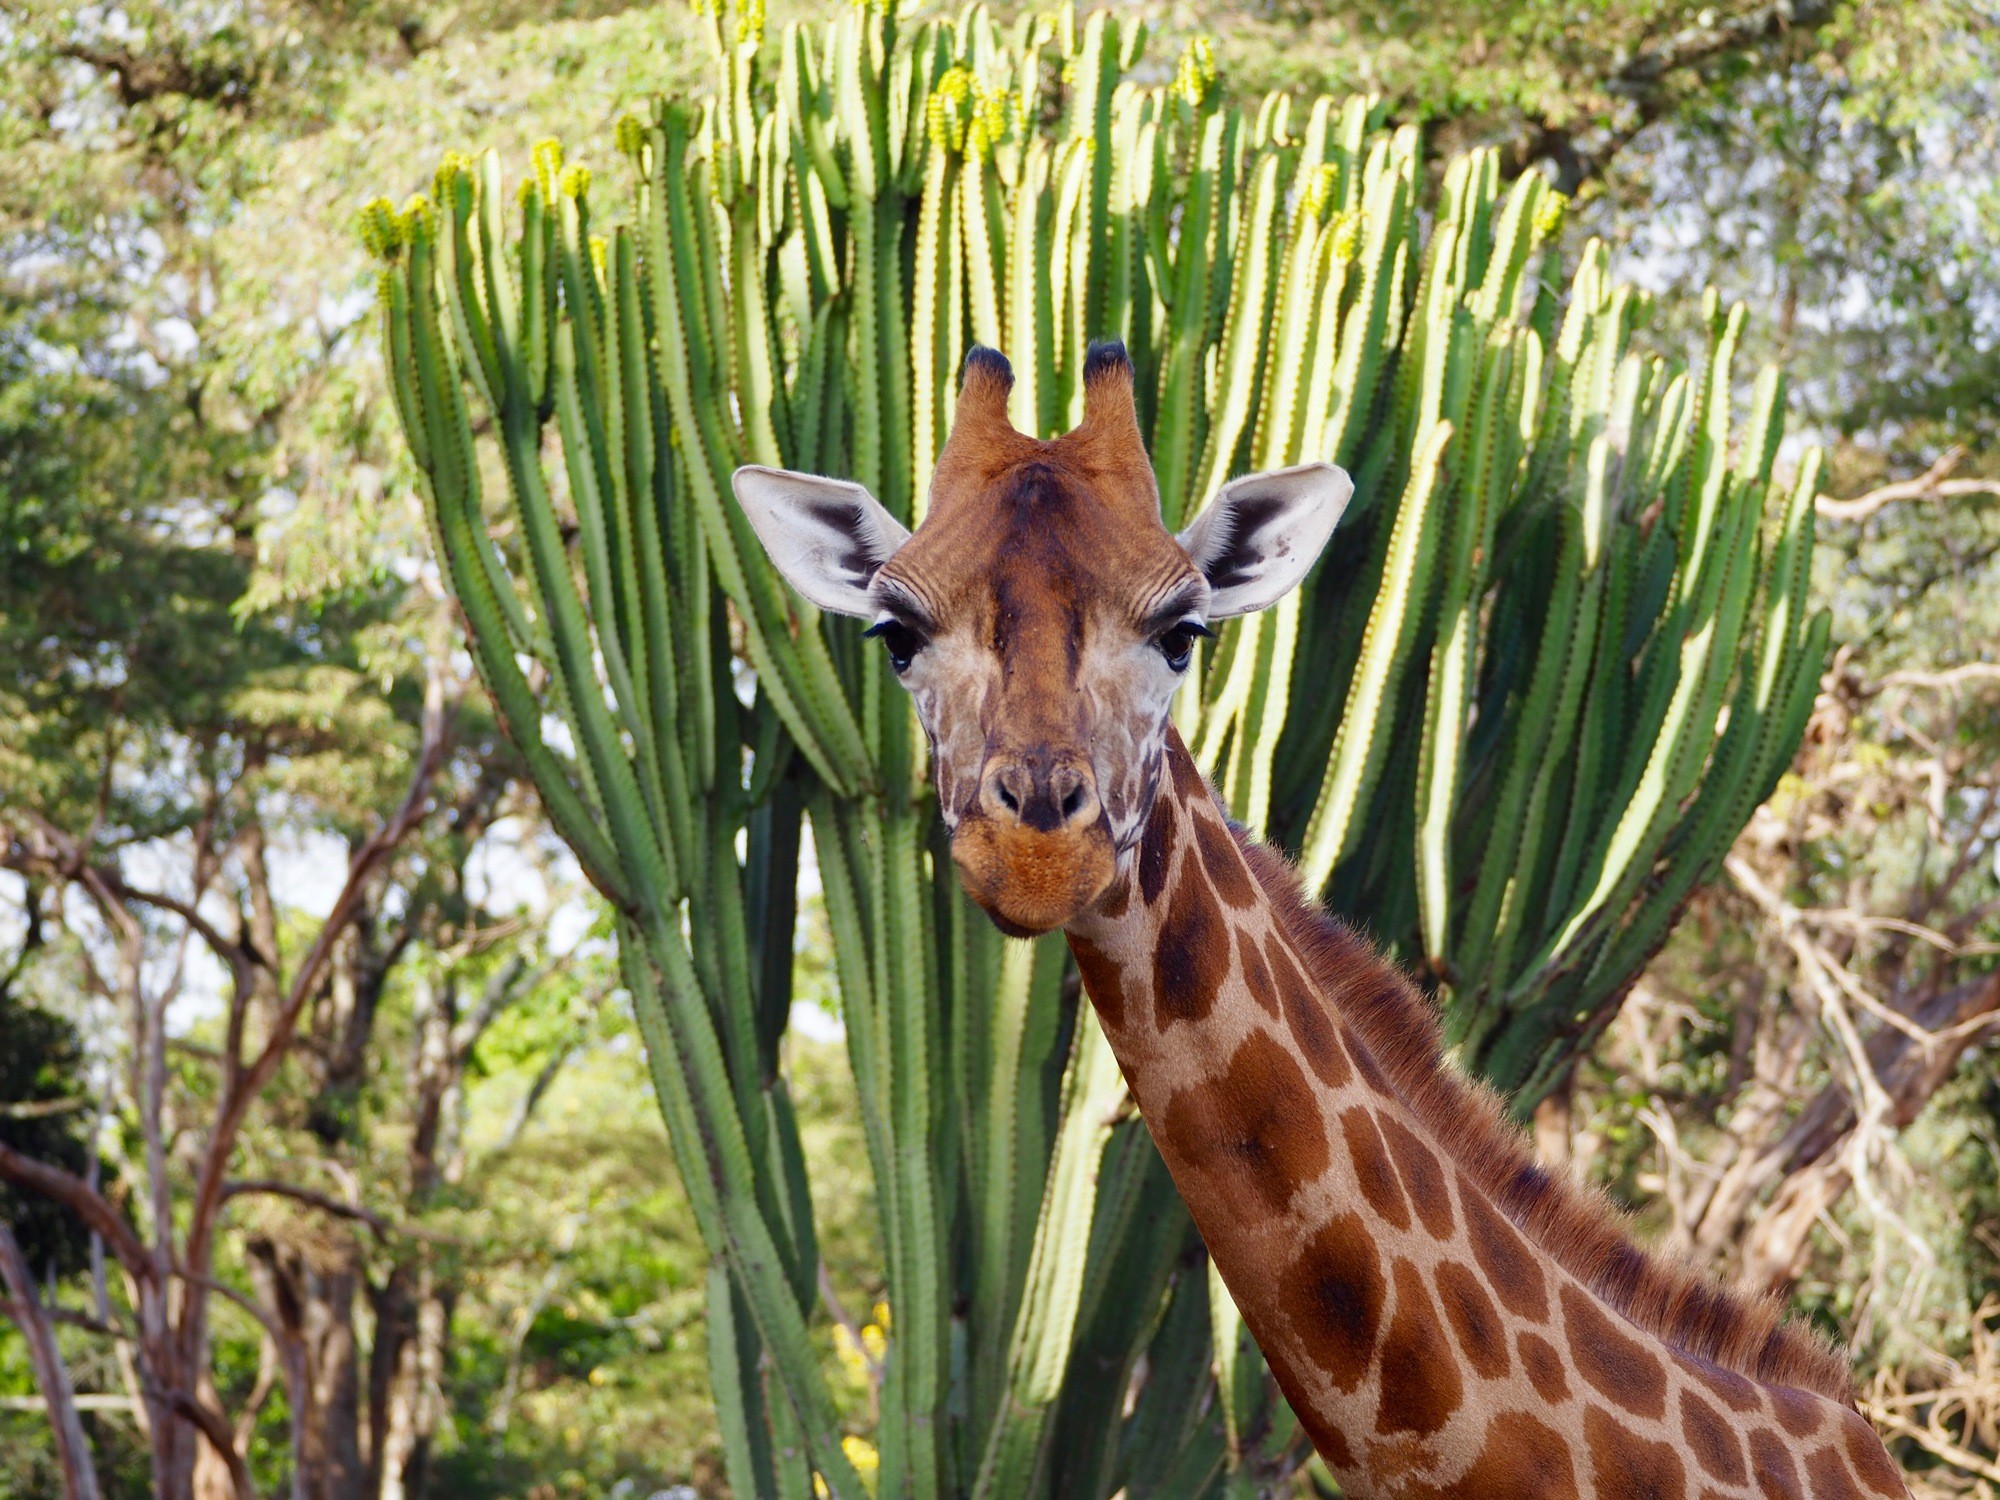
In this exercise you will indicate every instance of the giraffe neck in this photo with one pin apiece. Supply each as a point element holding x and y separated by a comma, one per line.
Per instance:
<point>1428,1345</point>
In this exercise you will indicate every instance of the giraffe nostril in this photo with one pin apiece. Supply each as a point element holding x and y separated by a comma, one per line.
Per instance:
<point>1031,792</point>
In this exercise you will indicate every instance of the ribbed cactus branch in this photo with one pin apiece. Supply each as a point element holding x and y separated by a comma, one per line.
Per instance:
<point>1558,651</point>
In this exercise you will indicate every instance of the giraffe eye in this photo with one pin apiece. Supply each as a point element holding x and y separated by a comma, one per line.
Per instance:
<point>1176,643</point>
<point>900,640</point>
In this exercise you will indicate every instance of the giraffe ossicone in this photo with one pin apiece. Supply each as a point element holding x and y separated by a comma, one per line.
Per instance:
<point>1448,1322</point>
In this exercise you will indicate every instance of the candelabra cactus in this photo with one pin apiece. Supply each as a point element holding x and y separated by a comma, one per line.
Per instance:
<point>1558,652</point>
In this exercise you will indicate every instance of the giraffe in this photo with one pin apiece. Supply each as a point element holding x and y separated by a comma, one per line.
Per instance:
<point>1448,1322</point>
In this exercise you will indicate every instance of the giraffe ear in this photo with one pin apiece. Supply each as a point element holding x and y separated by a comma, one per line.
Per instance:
<point>828,537</point>
<point>1260,534</point>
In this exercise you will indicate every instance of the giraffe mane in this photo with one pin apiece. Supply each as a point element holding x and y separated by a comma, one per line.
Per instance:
<point>1576,1226</point>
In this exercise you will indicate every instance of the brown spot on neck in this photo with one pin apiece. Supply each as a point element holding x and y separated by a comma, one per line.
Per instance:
<point>1798,1413</point>
<point>1117,896</point>
<point>1219,857</point>
<point>1545,1368</point>
<point>1423,1177</point>
<point>1772,1467</point>
<point>1373,1171</point>
<point>1612,1358</point>
<point>1248,1138</point>
<point>1421,1386</point>
<point>1736,1392</point>
<point>1189,784</point>
<point>1510,1267</point>
<point>1830,1477</point>
<point>1480,1330</point>
<point>1871,1460</point>
<point>1629,1466</point>
<point>1102,981</point>
<point>1190,952</point>
<point>1331,1298</point>
<point>1713,1442</point>
<point>1256,973</point>
<point>1156,851</point>
<point>1315,1031</point>
<point>1520,1458</point>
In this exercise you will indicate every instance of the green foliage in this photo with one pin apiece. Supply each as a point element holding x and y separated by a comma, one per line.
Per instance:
<point>1564,561</point>
<point>1863,182</point>
<point>41,1115</point>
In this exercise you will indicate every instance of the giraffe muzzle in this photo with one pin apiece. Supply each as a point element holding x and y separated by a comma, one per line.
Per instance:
<point>1043,792</point>
<point>1036,850</point>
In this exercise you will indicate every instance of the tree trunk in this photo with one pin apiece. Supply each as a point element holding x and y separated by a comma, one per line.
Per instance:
<point>395,1305</point>
<point>313,1296</point>
<point>51,1374</point>
<point>414,1393</point>
<point>213,1479</point>
<point>409,1374</point>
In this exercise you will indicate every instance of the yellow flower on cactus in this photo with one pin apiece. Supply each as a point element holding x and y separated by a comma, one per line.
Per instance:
<point>867,1462</point>
<point>381,228</point>
<point>452,168</point>
<point>548,155</point>
<point>1549,217</point>
<point>847,1349</point>
<point>1195,75</point>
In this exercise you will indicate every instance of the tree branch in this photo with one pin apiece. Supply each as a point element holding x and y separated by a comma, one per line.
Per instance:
<point>1929,485</point>
<point>76,1195</point>
<point>1950,677</point>
<point>215,1427</point>
<point>379,1226</point>
<point>39,847</point>
<point>138,78</point>
<point>245,1088</point>
<point>41,1109</point>
<point>1642,78</point>
<point>24,1307</point>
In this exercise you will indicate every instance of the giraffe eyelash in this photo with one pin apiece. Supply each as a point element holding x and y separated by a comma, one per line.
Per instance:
<point>902,640</point>
<point>1176,642</point>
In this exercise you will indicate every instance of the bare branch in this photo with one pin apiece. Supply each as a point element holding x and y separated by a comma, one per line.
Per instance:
<point>1932,1440</point>
<point>1643,78</point>
<point>141,77</point>
<point>1950,677</point>
<point>1929,485</point>
<point>41,1109</point>
<point>1858,922</point>
<point>380,1227</point>
<point>222,1289</point>
<point>51,1374</point>
<point>245,1088</point>
<point>85,1401</point>
<point>76,1195</point>
<point>39,847</point>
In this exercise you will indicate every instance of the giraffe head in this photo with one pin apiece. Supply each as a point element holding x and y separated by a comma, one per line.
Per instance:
<point>1041,617</point>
